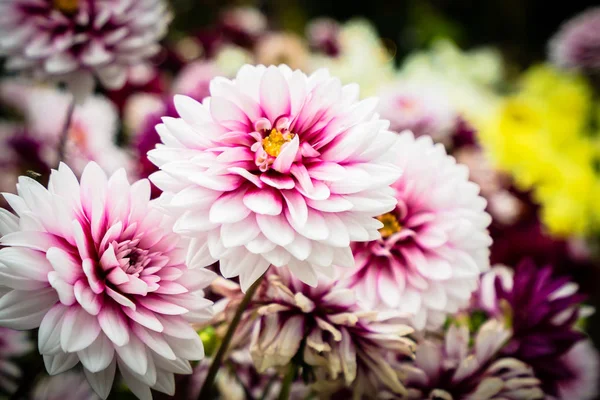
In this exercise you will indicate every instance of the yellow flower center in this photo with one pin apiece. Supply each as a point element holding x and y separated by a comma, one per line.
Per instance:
<point>272,143</point>
<point>66,6</point>
<point>390,225</point>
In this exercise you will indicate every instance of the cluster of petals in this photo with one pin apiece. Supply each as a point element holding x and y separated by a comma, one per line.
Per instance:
<point>327,329</point>
<point>96,267</point>
<point>77,40</point>
<point>434,244</point>
<point>577,43</point>
<point>453,370</point>
<point>276,168</point>
<point>543,309</point>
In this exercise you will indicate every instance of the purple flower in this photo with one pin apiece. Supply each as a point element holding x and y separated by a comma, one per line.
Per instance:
<point>577,43</point>
<point>542,310</point>
<point>455,369</point>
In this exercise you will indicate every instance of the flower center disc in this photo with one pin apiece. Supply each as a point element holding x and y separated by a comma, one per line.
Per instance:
<point>272,143</point>
<point>66,6</point>
<point>390,225</point>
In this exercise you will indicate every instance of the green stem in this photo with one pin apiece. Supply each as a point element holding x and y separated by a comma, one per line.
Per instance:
<point>288,379</point>
<point>207,387</point>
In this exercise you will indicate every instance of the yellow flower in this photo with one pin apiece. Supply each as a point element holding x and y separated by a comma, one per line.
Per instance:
<point>540,136</point>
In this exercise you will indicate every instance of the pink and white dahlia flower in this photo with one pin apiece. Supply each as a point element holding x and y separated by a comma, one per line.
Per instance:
<point>434,244</point>
<point>276,167</point>
<point>75,40</point>
<point>99,270</point>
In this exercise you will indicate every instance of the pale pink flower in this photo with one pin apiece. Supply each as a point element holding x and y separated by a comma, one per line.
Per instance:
<point>419,108</point>
<point>434,244</point>
<point>13,344</point>
<point>577,42</point>
<point>66,386</point>
<point>276,167</point>
<point>96,266</point>
<point>92,132</point>
<point>77,40</point>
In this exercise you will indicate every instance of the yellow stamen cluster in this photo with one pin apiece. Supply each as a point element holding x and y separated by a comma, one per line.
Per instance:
<point>272,143</point>
<point>390,225</point>
<point>66,6</point>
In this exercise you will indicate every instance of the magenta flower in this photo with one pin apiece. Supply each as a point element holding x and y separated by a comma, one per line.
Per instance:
<point>434,244</point>
<point>276,167</point>
<point>75,40</point>
<point>455,369</point>
<point>542,310</point>
<point>98,269</point>
<point>577,43</point>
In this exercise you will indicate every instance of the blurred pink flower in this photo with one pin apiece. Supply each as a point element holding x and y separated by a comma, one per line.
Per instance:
<point>66,386</point>
<point>13,344</point>
<point>577,43</point>
<point>323,36</point>
<point>434,244</point>
<point>92,133</point>
<point>77,40</point>
<point>421,109</point>
<point>276,167</point>
<point>97,268</point>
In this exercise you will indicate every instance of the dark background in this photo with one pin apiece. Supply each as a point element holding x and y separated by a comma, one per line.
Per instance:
<point>520,28</point>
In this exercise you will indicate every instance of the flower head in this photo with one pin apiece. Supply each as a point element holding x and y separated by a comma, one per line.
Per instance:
<point>324,330</point>
<point>434,244</point>
<point>98,269</point>
<point>13,344</point>
<point>75,40</point>
<point>541,310</point>
<point>276,167</point>
<point>420,109</point>
<point>453,369</point>
<point>577,43</point>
